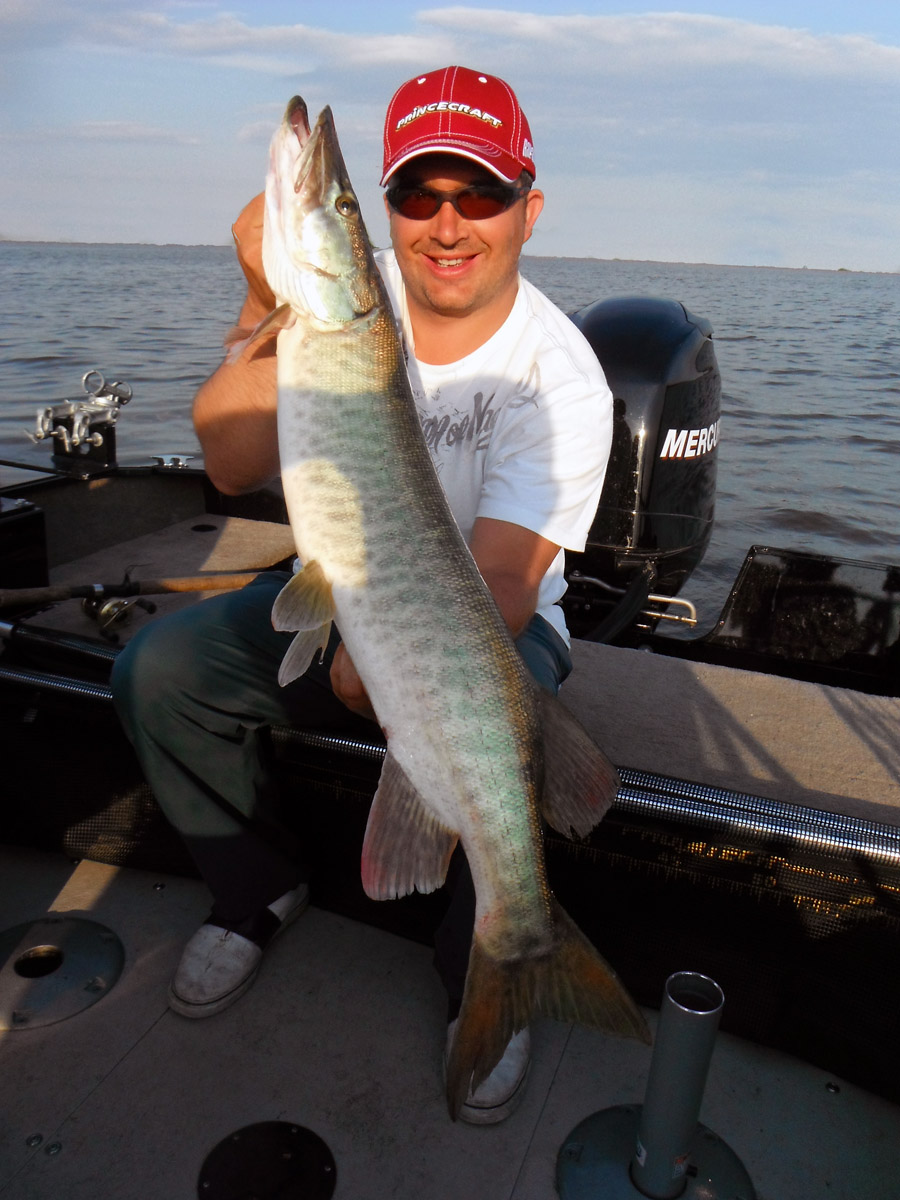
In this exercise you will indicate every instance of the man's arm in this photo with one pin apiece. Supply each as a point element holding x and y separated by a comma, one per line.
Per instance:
<point>235,409</point>
<point>512,560</point>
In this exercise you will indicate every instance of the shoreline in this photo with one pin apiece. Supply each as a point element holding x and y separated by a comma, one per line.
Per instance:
<point>649,262</point>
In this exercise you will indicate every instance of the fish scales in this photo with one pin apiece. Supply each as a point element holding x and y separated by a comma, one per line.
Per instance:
<point>472,700</point>
<point>474,752</point>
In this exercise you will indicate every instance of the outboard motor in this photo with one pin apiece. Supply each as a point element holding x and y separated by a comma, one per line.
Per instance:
<point>655,515</point>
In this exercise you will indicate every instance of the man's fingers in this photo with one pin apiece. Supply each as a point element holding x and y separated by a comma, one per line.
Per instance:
<point>247,232</point>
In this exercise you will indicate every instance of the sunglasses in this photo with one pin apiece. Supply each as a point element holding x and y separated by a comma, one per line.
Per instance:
<point>476,202</point>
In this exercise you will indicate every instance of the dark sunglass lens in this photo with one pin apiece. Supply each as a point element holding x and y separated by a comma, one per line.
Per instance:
<point>413,203</point>
<point>475,203</point>
<point>482,203</point>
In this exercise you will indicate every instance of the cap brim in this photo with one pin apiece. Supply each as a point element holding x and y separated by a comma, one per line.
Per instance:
<point>459,151</point>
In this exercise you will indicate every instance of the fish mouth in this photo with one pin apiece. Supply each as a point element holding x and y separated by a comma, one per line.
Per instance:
<point>304,140</point>
<point>297,116</point>
<point>314,243</point>
<point>319,162</point>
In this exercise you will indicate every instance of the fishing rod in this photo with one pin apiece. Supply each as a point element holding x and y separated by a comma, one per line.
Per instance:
<point>212,581</point>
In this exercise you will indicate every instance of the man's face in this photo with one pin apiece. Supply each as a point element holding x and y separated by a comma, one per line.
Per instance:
<point>453,266</point>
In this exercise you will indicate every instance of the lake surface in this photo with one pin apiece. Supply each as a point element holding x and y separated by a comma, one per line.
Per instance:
<point>809,456</point>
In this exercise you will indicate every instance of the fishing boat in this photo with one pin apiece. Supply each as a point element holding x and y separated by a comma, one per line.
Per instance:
<point>754,842</point>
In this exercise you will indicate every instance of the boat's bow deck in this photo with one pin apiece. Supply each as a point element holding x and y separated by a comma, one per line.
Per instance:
<point>198,545</point>
<point>342,1033</point>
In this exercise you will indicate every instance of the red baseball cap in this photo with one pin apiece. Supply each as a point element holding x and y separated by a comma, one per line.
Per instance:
<point>458,111</point>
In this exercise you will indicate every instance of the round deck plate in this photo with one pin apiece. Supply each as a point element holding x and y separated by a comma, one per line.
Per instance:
<point>595,1157</point>
<point>53,968</point>
<point>272,1159</point>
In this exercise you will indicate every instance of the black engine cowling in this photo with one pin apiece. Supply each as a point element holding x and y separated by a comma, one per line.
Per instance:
<point>656,510</point>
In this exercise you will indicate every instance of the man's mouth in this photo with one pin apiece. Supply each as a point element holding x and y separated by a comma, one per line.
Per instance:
<point>449,262</point>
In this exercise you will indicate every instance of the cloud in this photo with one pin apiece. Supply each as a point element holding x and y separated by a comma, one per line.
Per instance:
<point>126,131</point>
<point>673,43</point>
<point>222,38</point>
<point>103,131</point>
<point>670,129</point>
<point>546,48</point>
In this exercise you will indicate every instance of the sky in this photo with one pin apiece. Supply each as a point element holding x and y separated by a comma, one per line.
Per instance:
<point>746,132</point>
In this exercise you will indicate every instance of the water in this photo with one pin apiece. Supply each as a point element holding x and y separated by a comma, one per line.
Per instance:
<point>810,361</point>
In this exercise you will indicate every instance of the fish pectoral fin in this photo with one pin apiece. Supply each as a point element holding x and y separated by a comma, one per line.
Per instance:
<point>304,605</point>
<point>570,982</point>
<point>305,601</point>
<point>580,783</point>
<point>406,848</point>
<point>238,338</point>
<point>301,652</point>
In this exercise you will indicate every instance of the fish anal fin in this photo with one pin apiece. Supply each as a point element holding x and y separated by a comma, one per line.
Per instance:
<point>406,848</point>
<point>572,982</point>
<point>301,652</point>
<point>580,783</point>
<point>305,601</point>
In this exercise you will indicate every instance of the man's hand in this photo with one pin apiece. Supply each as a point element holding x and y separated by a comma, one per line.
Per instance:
<point>235,409</point>
<point>347,685</point>
<point>247,232</point>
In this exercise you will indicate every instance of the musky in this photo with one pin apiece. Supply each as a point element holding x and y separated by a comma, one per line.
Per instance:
<point>757,132</point>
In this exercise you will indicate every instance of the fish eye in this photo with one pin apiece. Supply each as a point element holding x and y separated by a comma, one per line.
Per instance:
<point>346,205</point>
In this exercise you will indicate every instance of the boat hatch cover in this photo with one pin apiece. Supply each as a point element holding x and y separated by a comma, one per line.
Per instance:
<point>53,968</point>
<point>273,1158</point>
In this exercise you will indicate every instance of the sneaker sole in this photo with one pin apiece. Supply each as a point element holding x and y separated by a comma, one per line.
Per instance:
<point>473,1114</point>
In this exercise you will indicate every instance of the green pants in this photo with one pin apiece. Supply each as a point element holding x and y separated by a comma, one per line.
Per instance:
<point>194,691</point>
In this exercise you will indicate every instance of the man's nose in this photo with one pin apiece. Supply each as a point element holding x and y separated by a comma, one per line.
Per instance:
<point>447,227</point>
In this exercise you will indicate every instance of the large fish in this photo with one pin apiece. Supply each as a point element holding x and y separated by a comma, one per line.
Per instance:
<point>474,752</point>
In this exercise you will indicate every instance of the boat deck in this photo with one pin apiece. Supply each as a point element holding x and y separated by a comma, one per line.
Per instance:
<point>342,1034</point>
<point>343,1031</point>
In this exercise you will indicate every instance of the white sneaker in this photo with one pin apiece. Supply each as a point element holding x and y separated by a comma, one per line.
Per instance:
<point>501,1093</point>
<point>218,965</point>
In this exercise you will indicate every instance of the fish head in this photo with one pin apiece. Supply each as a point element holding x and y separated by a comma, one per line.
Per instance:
<point>316,252</point>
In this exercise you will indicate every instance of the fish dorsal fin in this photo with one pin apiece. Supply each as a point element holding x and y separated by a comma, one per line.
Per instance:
<point>580,783</point>
<point>406,848</point>
<point>305,604</point>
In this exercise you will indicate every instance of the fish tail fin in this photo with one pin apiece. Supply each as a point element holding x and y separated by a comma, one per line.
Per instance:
<point>497,1003</point>
<point>572,982</point>
<point>578,984</point>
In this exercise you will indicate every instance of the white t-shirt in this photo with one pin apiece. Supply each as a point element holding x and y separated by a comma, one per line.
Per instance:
<point>521,429</point>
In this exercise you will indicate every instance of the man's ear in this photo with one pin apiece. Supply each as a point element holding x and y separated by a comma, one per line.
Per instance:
<point>534,203</point>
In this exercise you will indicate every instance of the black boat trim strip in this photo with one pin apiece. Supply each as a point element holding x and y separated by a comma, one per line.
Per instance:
<point>752,818</point>
<point>57,684</point>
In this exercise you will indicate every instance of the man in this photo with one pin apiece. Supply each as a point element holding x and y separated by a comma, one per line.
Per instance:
<point>518,420</point>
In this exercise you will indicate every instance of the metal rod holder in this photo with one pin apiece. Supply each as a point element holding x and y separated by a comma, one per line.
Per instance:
<point>659,1151</point>
<point>688,1023</point>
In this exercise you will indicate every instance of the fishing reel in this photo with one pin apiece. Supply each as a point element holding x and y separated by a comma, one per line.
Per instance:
<point>110,611</point>
<point>116,610</point>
